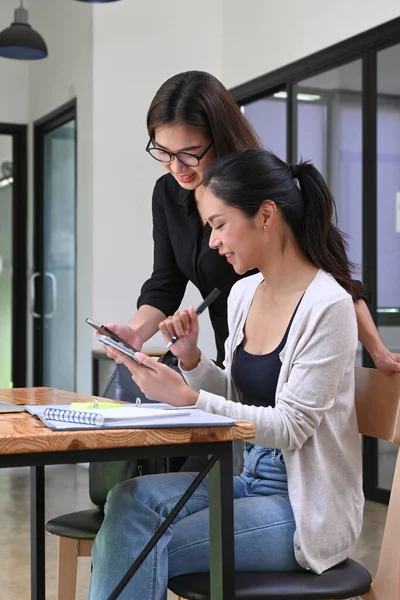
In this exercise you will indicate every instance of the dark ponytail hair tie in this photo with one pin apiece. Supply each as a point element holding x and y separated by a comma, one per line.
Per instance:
<point>294,170</point>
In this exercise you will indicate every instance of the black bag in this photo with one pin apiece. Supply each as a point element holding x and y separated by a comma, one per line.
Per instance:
<point>103,476</point>
<point>122,387</point>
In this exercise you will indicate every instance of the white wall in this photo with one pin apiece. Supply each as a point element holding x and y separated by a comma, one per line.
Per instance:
<point>67,73</point>
<point>263,35</point>
<point>137,47</point>
<point>13,77</point>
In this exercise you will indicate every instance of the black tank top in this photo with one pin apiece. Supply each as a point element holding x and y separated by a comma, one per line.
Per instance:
<point>256,375</point>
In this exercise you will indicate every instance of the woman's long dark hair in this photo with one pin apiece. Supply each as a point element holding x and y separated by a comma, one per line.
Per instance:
<point>246,179</point>
<point>198,99</point>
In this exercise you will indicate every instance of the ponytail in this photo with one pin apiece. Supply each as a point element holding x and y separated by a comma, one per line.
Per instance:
<point>246,179</point>
<point>319,238</point>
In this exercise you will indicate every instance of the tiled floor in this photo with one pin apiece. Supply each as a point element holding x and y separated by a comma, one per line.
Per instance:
<point>66,491</point>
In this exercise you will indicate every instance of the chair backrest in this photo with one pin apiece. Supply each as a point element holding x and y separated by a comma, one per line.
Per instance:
<point>378,404</point>
<point>378,413</point>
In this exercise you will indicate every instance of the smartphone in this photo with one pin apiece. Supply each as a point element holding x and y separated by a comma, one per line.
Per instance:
<point>106,331</point>
<point>108,341</point>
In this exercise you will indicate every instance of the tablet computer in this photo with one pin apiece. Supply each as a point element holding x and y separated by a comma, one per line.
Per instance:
<point>6,407</point>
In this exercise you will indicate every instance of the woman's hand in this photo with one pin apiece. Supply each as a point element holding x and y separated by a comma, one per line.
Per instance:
<point>128,334</point>
<point>185,325</point>
<point>160,382</point>
<point>386,361</point>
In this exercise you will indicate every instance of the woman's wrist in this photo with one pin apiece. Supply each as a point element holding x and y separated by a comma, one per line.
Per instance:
<point>373,344</point>
<point>190,361</point>
<point>134,338</point>
<point>189,398</point>
<point>376,350</point>
<point>146,321</point>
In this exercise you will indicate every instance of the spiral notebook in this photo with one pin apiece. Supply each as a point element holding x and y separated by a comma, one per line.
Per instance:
<point>59,418</point>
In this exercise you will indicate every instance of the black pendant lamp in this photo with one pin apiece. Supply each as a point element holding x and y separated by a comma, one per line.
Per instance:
<point>20,41</point>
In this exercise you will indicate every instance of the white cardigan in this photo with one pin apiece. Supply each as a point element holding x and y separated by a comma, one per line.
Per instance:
<point>314,419</point>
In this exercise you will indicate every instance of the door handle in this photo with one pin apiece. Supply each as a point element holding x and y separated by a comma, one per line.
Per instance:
<point>53,279</point>
<point>33,278</point>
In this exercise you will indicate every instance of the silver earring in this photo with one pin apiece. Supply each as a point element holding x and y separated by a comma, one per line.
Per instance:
<point>265,227</point>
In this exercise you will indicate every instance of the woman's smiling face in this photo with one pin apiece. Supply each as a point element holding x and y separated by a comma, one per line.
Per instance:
<point>237,237</point>
<point>185,139</point>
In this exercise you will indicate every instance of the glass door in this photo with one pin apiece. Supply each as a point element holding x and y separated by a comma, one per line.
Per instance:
<point>53,286</point>
<point>6,240</point>
<point>13,244</point>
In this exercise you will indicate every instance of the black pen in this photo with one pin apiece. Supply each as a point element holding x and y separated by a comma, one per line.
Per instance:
<point>202,307</point>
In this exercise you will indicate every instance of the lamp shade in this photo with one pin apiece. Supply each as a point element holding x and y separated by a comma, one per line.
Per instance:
<point>20,41</point>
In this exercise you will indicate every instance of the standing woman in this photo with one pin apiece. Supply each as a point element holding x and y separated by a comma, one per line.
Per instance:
<point>191,122</point>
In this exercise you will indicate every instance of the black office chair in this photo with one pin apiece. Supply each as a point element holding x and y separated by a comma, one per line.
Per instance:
<point>348,580</point>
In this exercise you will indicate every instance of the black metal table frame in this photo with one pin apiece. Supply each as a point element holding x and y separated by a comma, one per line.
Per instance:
<point>220,470</point>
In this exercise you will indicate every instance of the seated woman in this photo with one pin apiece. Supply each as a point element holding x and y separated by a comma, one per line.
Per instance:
<point>289,369</point>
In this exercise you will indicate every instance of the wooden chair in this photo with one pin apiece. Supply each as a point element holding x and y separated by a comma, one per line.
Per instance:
<point>378,413</point>
<point>76,531</point>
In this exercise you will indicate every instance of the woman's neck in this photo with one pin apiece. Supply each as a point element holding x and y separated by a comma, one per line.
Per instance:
<point>199,192</point>
<point>286,272</point>
<point>198,196</point>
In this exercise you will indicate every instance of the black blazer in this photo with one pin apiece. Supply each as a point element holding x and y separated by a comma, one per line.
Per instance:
<point>182,254</point>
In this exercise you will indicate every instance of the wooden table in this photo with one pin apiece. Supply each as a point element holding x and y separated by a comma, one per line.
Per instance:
<point>25,441</point>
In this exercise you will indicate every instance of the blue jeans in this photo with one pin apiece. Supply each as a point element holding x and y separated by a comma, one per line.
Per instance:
<point>263,521</point>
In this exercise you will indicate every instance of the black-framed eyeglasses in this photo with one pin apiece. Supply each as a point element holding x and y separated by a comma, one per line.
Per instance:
<point>187,159</point>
